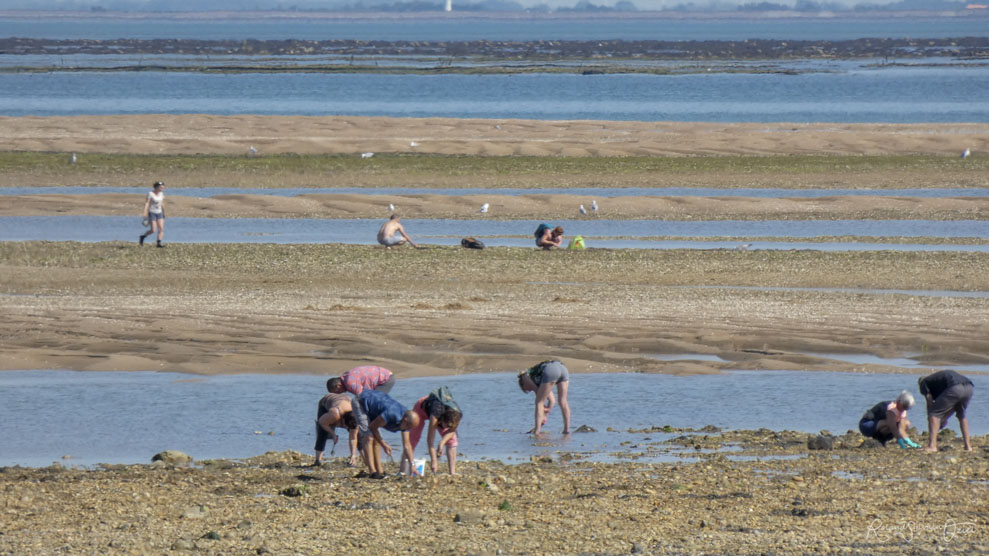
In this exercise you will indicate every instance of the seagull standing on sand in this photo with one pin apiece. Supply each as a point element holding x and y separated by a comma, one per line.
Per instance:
<point>72,159</point>
<point>413,144</point>
<point>966,153</point>
<point>367,155</point>
<point>484,208</point>
<point>391,207</point>
<point>252,151</point>
<point>583,210</point>
<point>594,206</point>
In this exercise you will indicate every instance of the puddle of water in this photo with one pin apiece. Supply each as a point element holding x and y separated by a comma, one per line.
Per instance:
<point>687,357</point>
<point>768,457</point>
<point>635,234</point>
<point>850,475</point>
<point>906,362</point>
<point>220,414</point>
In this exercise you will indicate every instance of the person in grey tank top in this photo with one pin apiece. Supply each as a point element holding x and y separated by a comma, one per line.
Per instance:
<point>540,379</point>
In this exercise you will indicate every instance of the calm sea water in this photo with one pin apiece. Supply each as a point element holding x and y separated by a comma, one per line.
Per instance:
<point>514,233</point>
<point>891,95</point>
<point>236,416</point>
<point>508,27</point>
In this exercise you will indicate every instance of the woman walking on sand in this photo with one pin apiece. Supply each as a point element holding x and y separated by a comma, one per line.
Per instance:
<point>154,212</point>
<point>540,379</point>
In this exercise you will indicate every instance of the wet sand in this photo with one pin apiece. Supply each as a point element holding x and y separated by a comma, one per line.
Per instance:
<point>322,309</point>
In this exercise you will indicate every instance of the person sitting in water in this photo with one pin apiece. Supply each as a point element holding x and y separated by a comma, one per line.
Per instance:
<point>888,420</point>
<point>393,233</point>
<point>551,237</point>
<point>946,392</point>
<point>334,410</point>
<point>377,410</point>
<point>540,379</point>
<point>443,415</point>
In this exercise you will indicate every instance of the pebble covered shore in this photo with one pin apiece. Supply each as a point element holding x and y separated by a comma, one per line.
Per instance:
<point>770,494</point>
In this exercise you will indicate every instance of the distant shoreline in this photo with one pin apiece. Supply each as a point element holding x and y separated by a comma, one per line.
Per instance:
<point>519,15</point>
<point>968,48</point>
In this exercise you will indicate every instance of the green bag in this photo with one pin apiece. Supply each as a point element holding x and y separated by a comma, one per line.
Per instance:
<point>576,243</point>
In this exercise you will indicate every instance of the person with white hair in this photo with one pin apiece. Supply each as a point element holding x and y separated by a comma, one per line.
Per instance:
<point>888,420</point>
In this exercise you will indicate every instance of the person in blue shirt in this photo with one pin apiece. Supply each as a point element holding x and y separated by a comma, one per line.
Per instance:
<point>377,410</point>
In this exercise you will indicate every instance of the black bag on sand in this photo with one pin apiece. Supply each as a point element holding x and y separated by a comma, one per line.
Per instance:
<point>471,243</point>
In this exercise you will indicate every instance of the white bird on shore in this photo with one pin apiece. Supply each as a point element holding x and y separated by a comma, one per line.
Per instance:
<point>743,247</point>
<point>367,155</point>
<point>484,208</point>
<point>966,153</point>
<point>594,206</point>
<point>413,144</point>
<point>391,207</point>
<point>252,151</point>
<point>583,210</point>
<point>72,159</point>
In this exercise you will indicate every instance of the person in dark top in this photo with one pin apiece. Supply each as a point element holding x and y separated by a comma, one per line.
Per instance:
<point>442,413</point>
<point>374,411</point>
<point>946,392</point>
<point>335,410</point>
<point>888,420</point>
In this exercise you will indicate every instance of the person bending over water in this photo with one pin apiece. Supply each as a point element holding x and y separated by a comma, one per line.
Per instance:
<point>540,379</point>
<point>365,377</point>
<point>334,410</point>
<point>377,410</point>
<point>888,420</point>
<point>393,233</point>
<point>443,415</point>
<point>946,392</point>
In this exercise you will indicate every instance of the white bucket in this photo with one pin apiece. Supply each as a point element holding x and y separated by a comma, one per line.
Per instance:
<point>420,466</point>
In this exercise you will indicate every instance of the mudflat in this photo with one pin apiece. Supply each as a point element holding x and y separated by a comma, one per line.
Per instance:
<point>321,309</point>
<point>209,308</point>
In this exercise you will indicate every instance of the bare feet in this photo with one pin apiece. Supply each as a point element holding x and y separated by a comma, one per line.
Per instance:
<point>929,449</point>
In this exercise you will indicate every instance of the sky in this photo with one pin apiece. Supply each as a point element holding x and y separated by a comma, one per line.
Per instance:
<point>199,5</point>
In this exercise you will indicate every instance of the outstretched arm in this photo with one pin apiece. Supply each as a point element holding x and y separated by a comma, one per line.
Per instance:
<point>401,230</point>
<point>375,427</point>
<point>431,442</point>
<point>353,446</point>
<point>542,394</point>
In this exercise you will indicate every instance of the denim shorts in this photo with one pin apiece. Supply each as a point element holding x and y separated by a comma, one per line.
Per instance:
<point>152,216</point>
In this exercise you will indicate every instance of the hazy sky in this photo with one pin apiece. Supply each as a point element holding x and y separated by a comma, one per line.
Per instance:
<point>198,5</point>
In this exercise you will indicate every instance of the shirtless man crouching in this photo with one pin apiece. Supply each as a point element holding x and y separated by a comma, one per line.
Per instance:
<point>392,233</point>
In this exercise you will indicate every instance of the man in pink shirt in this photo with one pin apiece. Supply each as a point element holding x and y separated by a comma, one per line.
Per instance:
<point>358,379</point>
